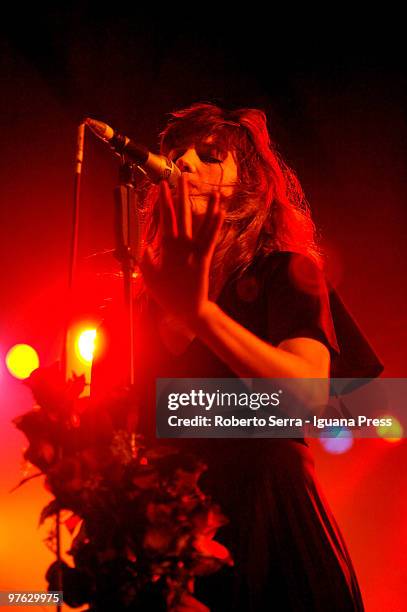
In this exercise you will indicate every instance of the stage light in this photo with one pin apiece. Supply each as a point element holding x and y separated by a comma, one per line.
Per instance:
<point>85,345</point>
<point>392,433</point>
<point>341,443</point>
<point>21,360</point>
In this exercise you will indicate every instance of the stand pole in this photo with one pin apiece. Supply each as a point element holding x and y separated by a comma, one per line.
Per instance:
<point>128,226</point>
<point>64,357</point>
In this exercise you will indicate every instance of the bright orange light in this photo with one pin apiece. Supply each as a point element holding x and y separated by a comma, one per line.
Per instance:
<point>391,433</point>
<point>85,345</point>
<point>21,360</point>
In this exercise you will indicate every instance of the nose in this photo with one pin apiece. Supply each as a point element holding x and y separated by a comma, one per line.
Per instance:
<point>187,162</point>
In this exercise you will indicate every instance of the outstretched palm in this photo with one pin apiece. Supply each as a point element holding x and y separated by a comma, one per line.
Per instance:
<point>179,280</point>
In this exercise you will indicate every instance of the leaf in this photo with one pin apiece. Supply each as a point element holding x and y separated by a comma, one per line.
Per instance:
<point>51,391</point>
<point>211,556</point>
<point>49,510</point>
<point>24,480</point>
<point>208,521</point>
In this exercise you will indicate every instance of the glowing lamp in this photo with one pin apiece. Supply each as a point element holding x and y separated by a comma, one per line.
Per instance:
<point>85,345</point>
<point>390,433</point>
<point>341,443</point>
<point>21,360</point>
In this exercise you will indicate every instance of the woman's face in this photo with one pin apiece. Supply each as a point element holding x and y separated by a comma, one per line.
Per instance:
<point>209,167</point>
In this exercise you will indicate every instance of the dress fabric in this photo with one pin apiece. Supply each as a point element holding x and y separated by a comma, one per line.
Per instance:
<point>288,550</point>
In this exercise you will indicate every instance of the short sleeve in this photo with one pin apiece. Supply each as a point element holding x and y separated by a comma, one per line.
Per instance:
<point>301,304</point>
<point>298,301</point>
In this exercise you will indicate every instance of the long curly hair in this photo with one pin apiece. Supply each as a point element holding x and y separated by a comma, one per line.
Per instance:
<point>268,210</point>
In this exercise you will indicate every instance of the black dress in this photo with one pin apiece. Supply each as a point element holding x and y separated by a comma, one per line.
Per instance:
<point>289,553</point>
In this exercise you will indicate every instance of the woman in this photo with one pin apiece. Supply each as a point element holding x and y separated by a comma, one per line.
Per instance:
<point>235,278</point>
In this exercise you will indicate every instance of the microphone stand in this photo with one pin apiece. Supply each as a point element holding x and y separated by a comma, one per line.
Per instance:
<point>64,356</point>
<point>129,222</point>
<point>128,233</point>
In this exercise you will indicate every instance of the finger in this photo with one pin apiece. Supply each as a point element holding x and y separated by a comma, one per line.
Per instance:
<point>184,214</point>
<point>211,211</point>
<point>213,233</point>
<point>168,221</point>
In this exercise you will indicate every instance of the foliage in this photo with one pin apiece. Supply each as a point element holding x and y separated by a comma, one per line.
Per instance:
<point>143,528</point>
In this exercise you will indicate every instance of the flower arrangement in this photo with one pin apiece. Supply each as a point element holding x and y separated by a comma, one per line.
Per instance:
<point>143,528</point>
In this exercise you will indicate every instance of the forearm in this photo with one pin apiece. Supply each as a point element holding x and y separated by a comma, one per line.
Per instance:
<point>246,354</point>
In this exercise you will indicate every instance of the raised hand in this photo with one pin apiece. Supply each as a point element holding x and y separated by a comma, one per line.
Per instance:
<point>179,280</point>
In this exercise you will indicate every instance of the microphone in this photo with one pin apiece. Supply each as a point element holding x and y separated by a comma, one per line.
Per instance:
<point>155,167</point>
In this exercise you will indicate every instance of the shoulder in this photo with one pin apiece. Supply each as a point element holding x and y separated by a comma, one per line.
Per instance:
<point>273,273</point>
<point>287,258</point>
<point>297,299</point>
<point>289,268</point>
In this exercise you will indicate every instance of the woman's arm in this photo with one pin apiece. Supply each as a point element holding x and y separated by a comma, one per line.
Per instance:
<point>249,356</point>
<point>179,283</point>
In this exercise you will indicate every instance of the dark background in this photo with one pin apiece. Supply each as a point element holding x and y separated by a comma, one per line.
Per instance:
<point>333,86</point>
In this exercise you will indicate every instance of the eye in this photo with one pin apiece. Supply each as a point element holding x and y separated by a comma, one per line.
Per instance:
<point>211,155</point>
<point>209,159</point>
